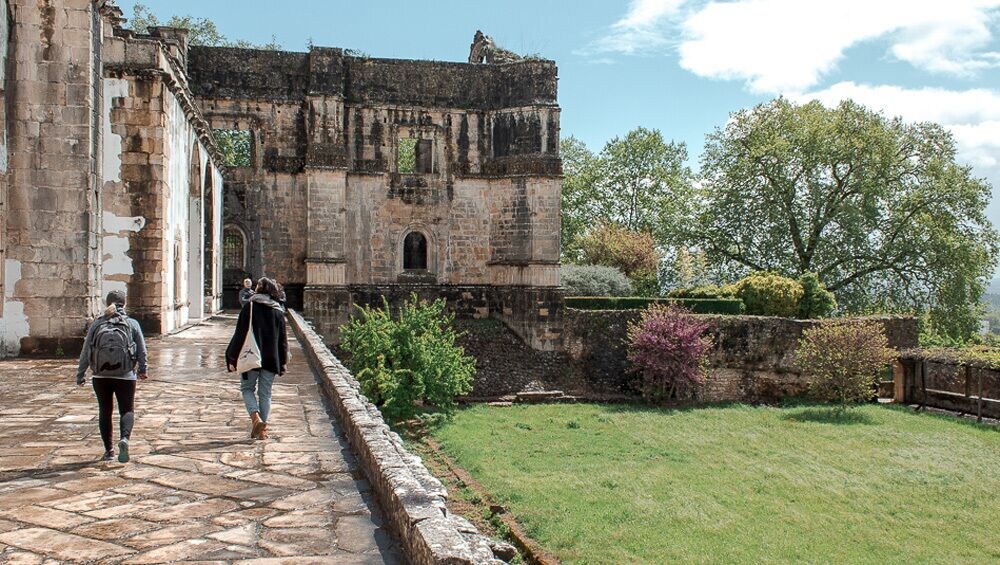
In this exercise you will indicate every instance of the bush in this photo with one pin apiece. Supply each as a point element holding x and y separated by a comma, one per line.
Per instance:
<point>817,301</point>
<point>633,253</point>
<point>594,280</point>
<point>409,358</point>
<point>703,291</point>
<point>696,305</point>
<point>769,294</point>
<point>845,359</point>
<point>667,348</point>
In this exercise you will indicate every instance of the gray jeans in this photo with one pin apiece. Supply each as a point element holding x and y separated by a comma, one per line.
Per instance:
<point>259,380</point>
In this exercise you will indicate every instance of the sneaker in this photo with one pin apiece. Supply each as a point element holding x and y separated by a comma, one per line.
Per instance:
<point>108,455</point>
<point>123,450</point>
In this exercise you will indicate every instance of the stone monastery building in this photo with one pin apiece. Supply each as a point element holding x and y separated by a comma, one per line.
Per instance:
<point>355,178</point>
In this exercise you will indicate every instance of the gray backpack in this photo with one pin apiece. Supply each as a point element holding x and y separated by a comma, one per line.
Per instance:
<point>112,352</point>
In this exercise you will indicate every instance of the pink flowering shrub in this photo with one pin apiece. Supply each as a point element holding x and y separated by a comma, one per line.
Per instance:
<point>667,349</point>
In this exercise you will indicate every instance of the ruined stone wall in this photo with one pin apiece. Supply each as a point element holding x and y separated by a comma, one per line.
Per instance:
<point>326,208</point>
<point>162,216</point>
<point>752,359</point>
<point>52,202</point>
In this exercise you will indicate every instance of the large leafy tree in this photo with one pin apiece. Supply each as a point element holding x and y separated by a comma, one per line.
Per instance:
<point>637,182</point>
<point>579,195</point>
<point>643,180</point>
<point>878,208</point>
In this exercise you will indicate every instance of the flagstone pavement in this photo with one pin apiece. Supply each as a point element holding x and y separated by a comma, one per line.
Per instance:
<point>197,489</point>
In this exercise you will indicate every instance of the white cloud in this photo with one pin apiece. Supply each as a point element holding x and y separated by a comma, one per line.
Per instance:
<point>779,45</point>
<point>973,115</point>
<point>640,29</point>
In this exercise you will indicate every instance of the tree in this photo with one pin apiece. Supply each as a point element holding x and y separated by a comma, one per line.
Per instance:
<point>876,207</point>
<point>579,194</point>
<point>202,31</point>
<point>632,252</point>
<point>645,180</point>
<point>638,182</point>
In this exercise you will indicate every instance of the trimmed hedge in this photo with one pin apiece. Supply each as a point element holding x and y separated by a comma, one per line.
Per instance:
<point>696,305</point>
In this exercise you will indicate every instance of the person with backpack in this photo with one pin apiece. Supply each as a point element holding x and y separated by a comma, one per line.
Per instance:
<point>115,352</point>
<point>259,351</point>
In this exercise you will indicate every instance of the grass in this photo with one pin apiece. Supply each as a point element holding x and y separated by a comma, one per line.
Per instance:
<point>622,484</point>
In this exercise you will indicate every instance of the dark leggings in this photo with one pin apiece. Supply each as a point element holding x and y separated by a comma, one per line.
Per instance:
<point>124,392</point>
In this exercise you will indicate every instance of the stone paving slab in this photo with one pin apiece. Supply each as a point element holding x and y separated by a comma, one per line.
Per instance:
<point>197,488</point>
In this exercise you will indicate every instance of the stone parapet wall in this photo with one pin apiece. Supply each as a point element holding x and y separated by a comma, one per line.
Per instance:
<point>412,500</point>
<point>225,72</point>
<point>533,313</point>
<point>752,359</point>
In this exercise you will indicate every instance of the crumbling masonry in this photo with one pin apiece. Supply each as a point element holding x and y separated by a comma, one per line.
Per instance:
<point>327,207</point>
<point>365,178</point>
<point>109,177</point>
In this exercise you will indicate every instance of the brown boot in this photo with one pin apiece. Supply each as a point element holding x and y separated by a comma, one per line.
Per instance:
<point>257,424</point>
<point>263,432</point>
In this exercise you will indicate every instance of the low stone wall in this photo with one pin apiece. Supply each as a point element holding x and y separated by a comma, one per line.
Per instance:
<point>533,313</point>
<point>411,498</point>
<point>751,361</point>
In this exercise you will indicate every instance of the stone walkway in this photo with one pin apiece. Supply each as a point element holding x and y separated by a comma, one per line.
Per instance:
<point>197,489</point>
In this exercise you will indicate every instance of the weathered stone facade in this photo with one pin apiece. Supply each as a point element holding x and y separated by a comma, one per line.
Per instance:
<point>108,177</point>
<point>326,206</point>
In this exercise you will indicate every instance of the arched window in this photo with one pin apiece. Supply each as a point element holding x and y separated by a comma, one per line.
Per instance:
<point>234,245</point>
<point>415,252</point>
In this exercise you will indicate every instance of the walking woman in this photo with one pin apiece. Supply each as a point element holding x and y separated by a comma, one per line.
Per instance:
<point>115,351</point>
<point>267,316</point>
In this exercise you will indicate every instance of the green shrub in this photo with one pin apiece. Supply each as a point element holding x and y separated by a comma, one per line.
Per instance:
<point>632,252</point>
<point>844,359</point>
<point>817,301</point>
<point>594,280</point>
<point>409,358</point>
<point>696,305</point>
<point>703,291</point>
<point>769,294</point>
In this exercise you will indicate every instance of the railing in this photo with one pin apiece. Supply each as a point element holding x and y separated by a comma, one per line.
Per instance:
<point>949,384</point>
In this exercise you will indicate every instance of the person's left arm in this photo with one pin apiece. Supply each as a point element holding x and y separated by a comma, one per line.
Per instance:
<point>282,346</point>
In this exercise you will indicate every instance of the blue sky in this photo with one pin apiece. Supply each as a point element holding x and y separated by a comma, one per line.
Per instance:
<point>681,66</point>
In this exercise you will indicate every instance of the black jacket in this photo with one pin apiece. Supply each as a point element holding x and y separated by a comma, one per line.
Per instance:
<point>245,294</point>
<point>268,327</point>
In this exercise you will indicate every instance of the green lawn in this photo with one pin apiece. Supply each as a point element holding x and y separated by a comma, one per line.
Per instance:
<point>737,484</point>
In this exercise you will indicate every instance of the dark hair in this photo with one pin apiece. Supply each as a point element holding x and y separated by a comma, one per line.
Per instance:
<point>271,288</point>
<point>115,297</point>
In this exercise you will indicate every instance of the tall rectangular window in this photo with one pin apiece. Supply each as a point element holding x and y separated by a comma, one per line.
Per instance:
<point>425,156</point>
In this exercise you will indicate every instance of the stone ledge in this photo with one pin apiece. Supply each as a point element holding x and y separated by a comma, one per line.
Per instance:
<point>412,499</point>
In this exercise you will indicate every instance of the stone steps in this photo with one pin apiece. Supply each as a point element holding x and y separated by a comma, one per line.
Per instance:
<point>542,397</point>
